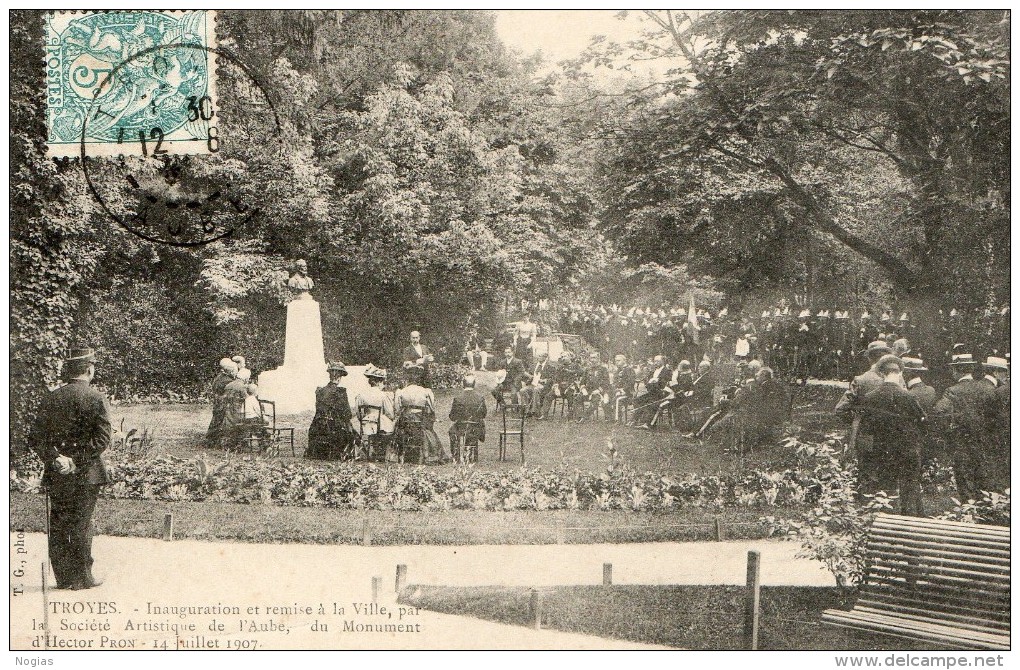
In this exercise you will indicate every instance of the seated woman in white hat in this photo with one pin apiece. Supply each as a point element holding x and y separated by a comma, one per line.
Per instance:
<point>375,397</point>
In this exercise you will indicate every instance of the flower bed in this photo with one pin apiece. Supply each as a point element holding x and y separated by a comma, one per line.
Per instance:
<point>256,480</point>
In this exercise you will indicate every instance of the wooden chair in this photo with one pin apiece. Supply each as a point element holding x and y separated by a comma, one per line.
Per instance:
<point>512,426</point>
<point>623,405</point>
<point>374,443</point>
<point>410,433</point>
<point>279,435</point>
<point>464,453</point>
<point>945,583</point>
<point>564,404</point>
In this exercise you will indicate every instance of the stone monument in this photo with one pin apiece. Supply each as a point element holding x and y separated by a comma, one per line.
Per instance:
<point>292,386</point>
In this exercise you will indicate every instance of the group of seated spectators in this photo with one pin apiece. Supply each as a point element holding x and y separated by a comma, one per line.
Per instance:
<point>391,425</point>
<point>797,340</point>
<point>237,412</point>
<point>739,400</point>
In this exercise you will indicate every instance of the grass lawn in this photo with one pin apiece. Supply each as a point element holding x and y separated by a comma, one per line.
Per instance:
<point>692,617</point>
<point>552,443</point>
<point>269,523</point>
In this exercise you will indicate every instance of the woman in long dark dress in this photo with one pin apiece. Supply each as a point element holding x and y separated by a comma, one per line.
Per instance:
<point>330,436</point>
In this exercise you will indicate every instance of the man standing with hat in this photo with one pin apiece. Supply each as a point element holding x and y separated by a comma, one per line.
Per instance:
<point>71,431</point>
<point>895,420</point>
<point>997,374</point>
<point>924,394</point>
<point>972,409</point>
<point>330,435</point>
<point>860,440</point>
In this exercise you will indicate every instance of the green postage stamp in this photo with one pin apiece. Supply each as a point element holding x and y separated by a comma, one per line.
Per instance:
<point>139,83</point>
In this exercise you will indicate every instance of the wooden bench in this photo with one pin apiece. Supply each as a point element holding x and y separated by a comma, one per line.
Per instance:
<point>941,582</point>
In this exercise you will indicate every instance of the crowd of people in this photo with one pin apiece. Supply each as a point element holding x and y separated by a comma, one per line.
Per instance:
<point>384,425</point>
<point>797,341</point>
<point>733,396</point>
<point>897,420</point>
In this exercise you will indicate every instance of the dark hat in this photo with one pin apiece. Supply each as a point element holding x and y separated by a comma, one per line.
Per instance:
<point>336,366</point>
<point>81,354</point>
<point>878,346</point>
<point>915,364</point>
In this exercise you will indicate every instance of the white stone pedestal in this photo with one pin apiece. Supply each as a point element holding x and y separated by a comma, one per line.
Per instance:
<point>293,385</point>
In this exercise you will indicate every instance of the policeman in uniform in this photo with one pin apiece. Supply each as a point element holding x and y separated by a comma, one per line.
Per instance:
<point>71,431</point>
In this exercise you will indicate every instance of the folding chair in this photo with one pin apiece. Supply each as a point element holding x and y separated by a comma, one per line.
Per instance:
<point>513,426</point>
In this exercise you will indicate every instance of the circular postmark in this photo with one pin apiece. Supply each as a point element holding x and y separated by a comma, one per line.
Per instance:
<point>164,190</point>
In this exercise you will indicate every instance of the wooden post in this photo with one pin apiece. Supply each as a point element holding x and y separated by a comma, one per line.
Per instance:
<point>45,600</point>
<point>401,578</point>
<point>376,583</point>
<point>168,527</point>
<point>536,609</point>
<point>607,574</point>
<point>752,600</point>
<point>718,530</point>
<point>366,532</point>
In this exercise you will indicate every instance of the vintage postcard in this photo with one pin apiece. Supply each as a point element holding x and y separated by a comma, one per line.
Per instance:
<point>511,330</point>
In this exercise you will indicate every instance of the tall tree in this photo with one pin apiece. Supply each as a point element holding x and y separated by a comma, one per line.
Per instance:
<point>772,119</point>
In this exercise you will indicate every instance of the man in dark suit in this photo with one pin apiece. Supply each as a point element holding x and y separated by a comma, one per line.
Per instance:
<point>417,355</point>
<point>71,431</point>
<point>536,392</point>
<point>330,436</point>
<point>646,404</point>
<point>515,373</point>
<point>997,374</point>
<point>468,416</point>
<point>624,383</point>
<point>925,395</point>
<point>860,440</point>
<point>973,412</point>
<point>895,420</point>
<point>228,370</point>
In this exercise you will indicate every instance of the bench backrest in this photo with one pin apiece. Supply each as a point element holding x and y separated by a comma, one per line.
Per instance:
<point>949,572</point>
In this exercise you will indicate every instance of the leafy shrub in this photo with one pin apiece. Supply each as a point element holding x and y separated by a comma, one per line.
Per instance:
<point>834,530</point>
<point>992,509</point>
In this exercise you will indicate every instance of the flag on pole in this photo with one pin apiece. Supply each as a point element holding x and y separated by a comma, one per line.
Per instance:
<point>692,318</point>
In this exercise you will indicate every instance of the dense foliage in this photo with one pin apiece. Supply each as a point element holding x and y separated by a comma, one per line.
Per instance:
<point>431,178</point>
<point>781,140</point>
